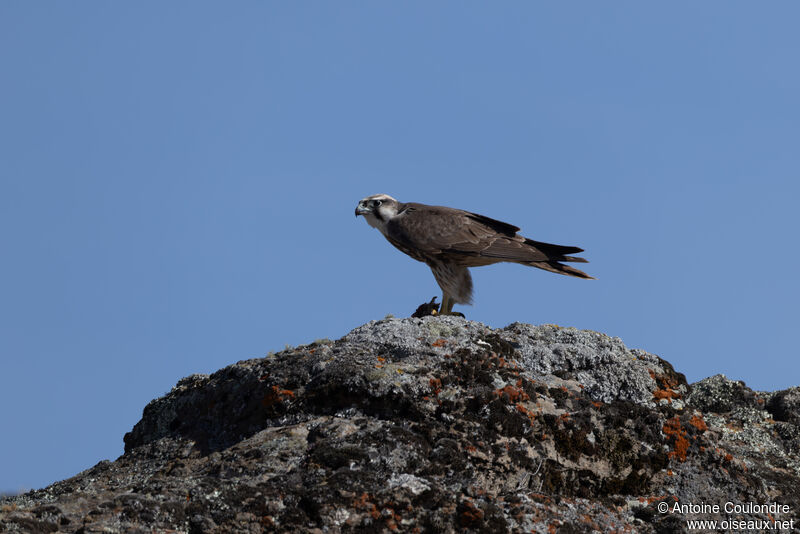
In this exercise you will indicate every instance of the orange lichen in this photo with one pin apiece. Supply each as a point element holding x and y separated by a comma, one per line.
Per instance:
<point>672,428</point>
<point>471,514</point>
<point>698,422</point>
<point>276,395</point>
<point>283,393</point>
<point>522,409</point>
<point>439,343</point>
<point>666,394</point>
<point>436,385</point>
<point>363,502</point>
<point>512,394</point>
<point>393,519</point>
<point>666,387</point>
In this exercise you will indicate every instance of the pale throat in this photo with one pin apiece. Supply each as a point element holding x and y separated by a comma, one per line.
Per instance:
<point>375,222</point>
<point>387,212</point>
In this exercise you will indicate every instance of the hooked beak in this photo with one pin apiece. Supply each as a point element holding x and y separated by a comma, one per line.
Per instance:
<point>361,209</point>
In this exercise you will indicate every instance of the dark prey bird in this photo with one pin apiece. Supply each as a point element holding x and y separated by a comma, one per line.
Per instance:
<point>451,240</point>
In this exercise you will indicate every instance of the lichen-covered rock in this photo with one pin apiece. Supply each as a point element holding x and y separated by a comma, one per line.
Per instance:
<point>436,424</point>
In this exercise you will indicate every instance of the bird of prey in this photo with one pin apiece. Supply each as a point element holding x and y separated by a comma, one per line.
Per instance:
<point>450,240</point>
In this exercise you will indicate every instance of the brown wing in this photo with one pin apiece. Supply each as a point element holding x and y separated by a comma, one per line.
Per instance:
<point>471,240</point>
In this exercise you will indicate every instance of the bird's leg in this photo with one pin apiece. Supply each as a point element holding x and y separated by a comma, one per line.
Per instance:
<point>447,305</point>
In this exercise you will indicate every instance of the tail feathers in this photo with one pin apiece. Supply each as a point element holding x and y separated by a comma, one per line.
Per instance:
<point>575,259</point>
<point>554,250</point>
<point>556,254</point>
<point>560,268</point>
<point>545,256</point>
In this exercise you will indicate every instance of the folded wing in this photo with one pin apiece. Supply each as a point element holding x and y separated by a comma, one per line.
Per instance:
<point>471,240</point>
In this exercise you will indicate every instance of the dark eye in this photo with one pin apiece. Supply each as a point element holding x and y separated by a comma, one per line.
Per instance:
<point>376,203</point>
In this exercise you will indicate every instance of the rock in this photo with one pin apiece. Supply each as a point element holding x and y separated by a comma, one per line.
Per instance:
<point>719,395</point>
<point>785,405</point>
<point>438,424</point>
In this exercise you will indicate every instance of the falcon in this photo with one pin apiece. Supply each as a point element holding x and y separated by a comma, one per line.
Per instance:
<point>450,241</point>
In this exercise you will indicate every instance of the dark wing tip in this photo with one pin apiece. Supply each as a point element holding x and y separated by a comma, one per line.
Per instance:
<point>494,224</point>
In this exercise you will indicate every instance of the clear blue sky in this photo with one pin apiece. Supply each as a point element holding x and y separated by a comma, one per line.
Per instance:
<point>178,180</point>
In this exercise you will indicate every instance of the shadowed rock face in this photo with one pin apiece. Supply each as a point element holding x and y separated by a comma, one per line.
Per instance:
<point>436,424</point>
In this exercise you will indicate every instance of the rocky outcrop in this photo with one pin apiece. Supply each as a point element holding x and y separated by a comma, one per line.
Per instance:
<point>440,424</point>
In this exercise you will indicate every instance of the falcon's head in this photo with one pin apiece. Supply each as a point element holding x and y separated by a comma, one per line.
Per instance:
<point>377,210</point>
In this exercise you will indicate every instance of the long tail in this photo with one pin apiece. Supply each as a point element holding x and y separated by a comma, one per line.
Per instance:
<point>555,255</point>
